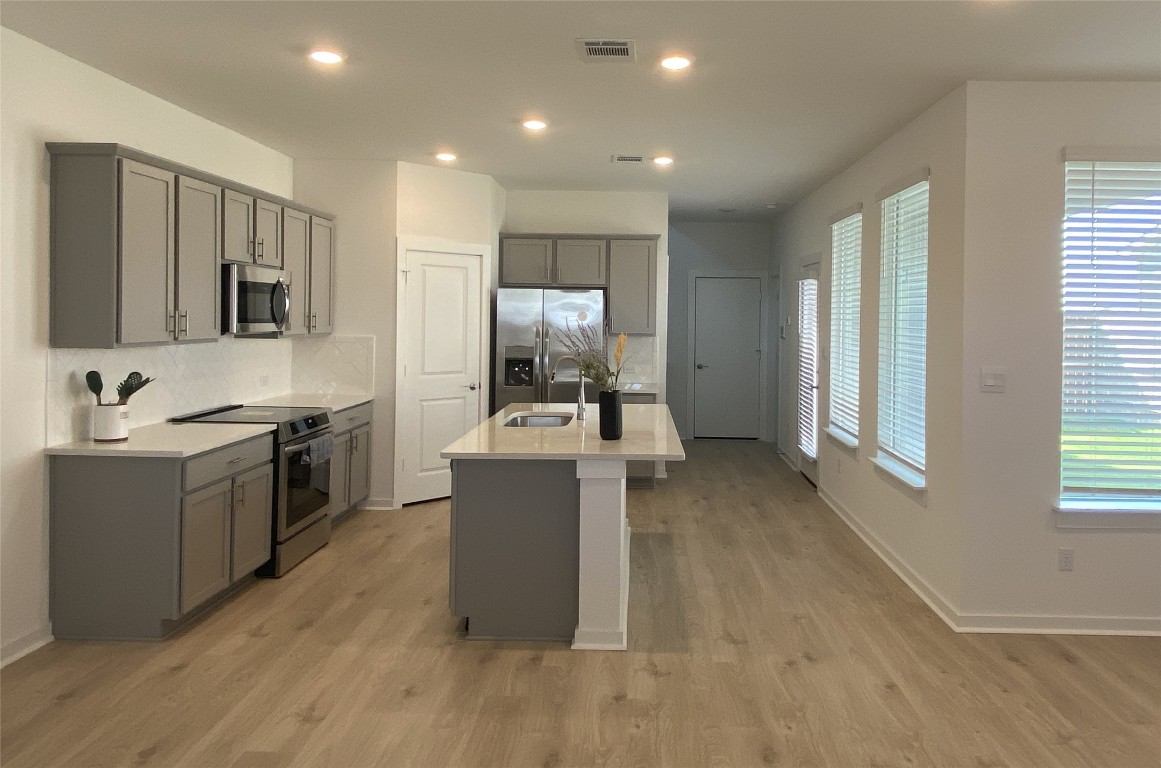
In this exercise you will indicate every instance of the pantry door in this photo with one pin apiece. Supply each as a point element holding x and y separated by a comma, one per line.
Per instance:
<point>442,352</point>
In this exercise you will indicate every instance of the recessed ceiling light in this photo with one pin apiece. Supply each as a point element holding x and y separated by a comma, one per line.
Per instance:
<point>772,206</point>
<point>675,62</point>
<point>535,125</point>
<point>445,157</point>
<point>323,56</point>
<point>663,160</point>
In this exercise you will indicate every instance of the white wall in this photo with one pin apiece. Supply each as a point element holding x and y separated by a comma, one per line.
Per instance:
<point>49,97</point>
<point>711,246</point>
<point>1014,208</point>
<point>611,213</point>
<point>924,535</point>
<point>375,203</point>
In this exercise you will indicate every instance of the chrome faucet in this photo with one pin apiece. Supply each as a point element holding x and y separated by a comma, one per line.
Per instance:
<point>580,400</point>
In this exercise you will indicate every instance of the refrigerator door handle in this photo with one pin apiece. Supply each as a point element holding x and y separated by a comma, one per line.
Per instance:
<point>536,371</point>
<point>544,338</point>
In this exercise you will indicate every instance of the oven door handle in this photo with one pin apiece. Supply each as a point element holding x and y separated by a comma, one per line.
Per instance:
<point>299,447</point>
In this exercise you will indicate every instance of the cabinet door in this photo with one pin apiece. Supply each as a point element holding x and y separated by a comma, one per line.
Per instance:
<point>253,520</point>
<point>199,250</point>
<point>205,544</point>
<point>580,262</point>
<point>341,474</point>
<point>633,286</point>
<point>237,227</point>
<point>267,233</point>
<point>295,257</point>
<point>360,485</point>
<point>146,273</point>
<point>525,262</point>
<point>322,261</point>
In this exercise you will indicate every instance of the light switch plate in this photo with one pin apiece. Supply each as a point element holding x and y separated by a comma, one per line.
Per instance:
<point>993,378</point>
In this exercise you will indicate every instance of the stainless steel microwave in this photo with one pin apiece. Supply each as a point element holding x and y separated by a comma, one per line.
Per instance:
<point>257,300</point>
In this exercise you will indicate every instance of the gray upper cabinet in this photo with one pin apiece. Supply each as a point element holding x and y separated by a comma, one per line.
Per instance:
<point>146,275</point>
<point>238,242</point>
<point>580,262</point>
<point>205,544</point>
<point>199,249</point>
<point>267,233</point>
<point>526,262</point>
<point>633,286</point>
<point>322,248</point>
<point>136,244</point>
<point>295,260</point>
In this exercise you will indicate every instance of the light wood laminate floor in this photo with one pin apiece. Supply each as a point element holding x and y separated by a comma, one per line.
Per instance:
<point>762,632</point>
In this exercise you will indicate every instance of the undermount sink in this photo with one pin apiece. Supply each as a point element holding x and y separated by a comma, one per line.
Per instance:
<point>531,419</point>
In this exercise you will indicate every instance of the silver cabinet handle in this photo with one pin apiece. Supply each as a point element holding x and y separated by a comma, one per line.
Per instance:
<point>313,320</point>
<point>236,459</point>
<point>171,322</point>
<point>261,248</point>
<point>250,247</point>
<point>240,494</point>
<point>184,329</point>
<point>701,365</point>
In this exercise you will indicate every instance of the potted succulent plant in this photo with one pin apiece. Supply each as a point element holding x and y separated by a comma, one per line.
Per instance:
<point>588,350</point>
<point>111,420</point>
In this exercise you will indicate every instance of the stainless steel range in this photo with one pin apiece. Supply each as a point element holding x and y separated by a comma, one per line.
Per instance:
<point>304,439</point>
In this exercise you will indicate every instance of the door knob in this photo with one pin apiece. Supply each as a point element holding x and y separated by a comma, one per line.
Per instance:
<point>472,387</point>
<point>701,365</point>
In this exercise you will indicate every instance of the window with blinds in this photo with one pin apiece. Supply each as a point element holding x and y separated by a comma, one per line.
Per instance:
<point>903,328</point>
<point>845,274</point>
<point>1110,436</point>
<point>808,367</point>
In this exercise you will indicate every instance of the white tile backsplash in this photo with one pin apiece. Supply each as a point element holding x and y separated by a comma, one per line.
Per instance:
<point>334,365</point>
<point>639,365</point>
<point>189,377</point>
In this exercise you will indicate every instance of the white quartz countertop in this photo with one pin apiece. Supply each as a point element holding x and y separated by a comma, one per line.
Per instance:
<point>648,434</point>
<point>167,440</point>
<point>334,402</point>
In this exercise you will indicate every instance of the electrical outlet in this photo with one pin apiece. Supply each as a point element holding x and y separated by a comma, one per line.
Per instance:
<point>1064,559</point>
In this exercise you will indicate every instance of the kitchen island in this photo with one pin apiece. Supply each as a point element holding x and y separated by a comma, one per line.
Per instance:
<point>539,538</point>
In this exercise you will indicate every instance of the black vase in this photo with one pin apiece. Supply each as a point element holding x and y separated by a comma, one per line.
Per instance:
<point>610,404</point>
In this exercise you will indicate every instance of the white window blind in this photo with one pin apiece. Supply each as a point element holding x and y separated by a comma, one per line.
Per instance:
<point>903,327</point>
<point>1110,441</point>
<point>808,367</point>
<point>846,271</point>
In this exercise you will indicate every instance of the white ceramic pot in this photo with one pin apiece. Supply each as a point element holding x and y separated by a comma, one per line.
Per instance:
<point>110,423</point>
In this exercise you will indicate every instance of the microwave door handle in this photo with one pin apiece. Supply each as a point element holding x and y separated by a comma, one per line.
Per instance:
<point>280,325</point>
<point>286,307</point>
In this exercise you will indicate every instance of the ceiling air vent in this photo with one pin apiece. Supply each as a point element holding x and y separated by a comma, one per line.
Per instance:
<point>606,50</point>
<point>629,159</point>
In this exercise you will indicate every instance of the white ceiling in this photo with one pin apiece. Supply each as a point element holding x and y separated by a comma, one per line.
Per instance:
<point>781,95</point>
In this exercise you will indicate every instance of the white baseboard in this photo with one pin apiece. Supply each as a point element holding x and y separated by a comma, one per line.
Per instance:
<point>982,623</point>
<point>373,503</point>
<point>22,646</point>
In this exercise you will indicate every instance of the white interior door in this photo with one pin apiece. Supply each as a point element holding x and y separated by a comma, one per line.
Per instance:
<point>439,384</point>
<point>727,375</point>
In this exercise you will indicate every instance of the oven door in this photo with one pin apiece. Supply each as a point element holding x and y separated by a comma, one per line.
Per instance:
<point>304,488</point>
<point>259,300</point>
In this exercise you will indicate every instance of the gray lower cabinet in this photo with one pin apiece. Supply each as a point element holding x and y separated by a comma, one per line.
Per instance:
<point>514,563</point>
<point>137,544</point>
<point>633,286</point>
<point>639,474</point>
<point>351,461</point>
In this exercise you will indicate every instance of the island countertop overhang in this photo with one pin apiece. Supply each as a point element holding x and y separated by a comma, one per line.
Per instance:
<point>648,435</point>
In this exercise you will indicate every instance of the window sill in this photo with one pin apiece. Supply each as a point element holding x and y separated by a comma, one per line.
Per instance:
<point>842,437</point>
<point>901,472</point>
<point>1108,515</point>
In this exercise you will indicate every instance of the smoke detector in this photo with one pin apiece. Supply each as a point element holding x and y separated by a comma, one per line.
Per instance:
<point>629,159</point>
<point>606,50</point>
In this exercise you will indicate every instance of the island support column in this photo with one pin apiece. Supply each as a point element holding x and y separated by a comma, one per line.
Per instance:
<point>604,557</point>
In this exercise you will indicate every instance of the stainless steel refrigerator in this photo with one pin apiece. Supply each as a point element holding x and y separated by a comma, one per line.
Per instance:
<point>529,324</point>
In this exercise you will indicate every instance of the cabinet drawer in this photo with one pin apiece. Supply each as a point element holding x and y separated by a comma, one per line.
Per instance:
<point>350,418</point>
<point>226,461</point>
